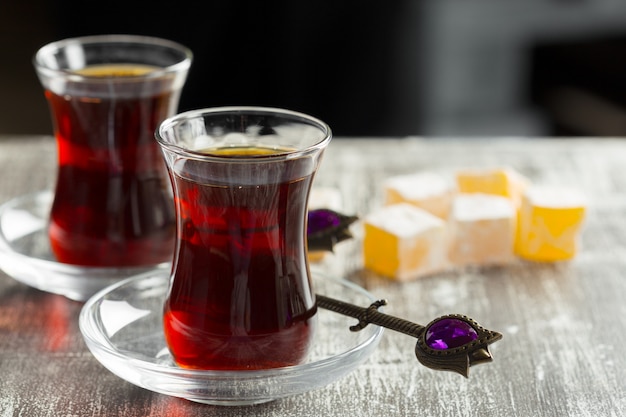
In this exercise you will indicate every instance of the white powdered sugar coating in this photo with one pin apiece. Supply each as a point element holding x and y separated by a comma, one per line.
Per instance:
<point>472,207</point>
<point>325,197</point>
<point>403,220</point>
<point>555,197</point>
<point>419,186</point>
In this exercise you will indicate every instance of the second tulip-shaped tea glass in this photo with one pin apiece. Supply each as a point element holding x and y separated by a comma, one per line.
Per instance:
<point>240,295</point>
<point>107,94</point>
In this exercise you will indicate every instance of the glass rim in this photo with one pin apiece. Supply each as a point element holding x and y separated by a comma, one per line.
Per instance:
<point>71,75</point>
<point>170,122</point>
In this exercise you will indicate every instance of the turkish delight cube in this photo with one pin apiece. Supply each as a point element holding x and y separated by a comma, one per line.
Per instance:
<point>426,190</point>
<point>550,222</point>
<point>482,230</point>
<point>505,182</point>
<point>404,242</point>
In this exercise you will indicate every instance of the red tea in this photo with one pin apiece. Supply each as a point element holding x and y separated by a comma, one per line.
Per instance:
<point>241,296</point>
<point>113,203</point>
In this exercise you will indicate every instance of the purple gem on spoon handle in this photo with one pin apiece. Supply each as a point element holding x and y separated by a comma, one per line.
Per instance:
<point>449,333</point>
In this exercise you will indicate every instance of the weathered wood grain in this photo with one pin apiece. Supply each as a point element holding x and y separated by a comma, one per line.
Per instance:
<point>564,325</point>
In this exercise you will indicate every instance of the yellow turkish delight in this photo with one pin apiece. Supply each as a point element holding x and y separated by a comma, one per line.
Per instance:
<point>549,225</point>
<point>404,242</point>
<point>504,182</point>
<point>425,190</point>
<point>482,229</point>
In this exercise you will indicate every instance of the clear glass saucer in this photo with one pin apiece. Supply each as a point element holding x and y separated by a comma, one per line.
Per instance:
<point>122,326</point>
<point>25,253</point>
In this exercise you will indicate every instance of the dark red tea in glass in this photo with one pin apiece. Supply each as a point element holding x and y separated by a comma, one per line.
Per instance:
<point>240,296</point>
<point>107,95</point>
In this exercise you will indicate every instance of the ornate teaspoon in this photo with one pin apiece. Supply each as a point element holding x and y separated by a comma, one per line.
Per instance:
<point>452,342</point>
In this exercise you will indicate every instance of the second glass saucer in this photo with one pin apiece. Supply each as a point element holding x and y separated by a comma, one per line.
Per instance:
<point>25,253</point>
<point>122,326</point>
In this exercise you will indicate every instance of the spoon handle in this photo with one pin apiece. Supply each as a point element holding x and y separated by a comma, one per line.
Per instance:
<point>370,315</point>
<point>452,342</point>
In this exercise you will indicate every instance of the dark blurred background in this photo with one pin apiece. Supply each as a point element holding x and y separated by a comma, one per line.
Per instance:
<point>368,68</point>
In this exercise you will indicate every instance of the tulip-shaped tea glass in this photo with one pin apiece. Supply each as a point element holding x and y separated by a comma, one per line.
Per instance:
<point>107,95</point>
<point>240,294</point>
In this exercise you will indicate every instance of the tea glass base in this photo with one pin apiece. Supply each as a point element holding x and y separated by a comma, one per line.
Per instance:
<point>26,256</point>
<point>122,326</point>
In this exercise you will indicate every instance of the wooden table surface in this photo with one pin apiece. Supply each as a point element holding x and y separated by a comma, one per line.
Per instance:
<point>564,325</point>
